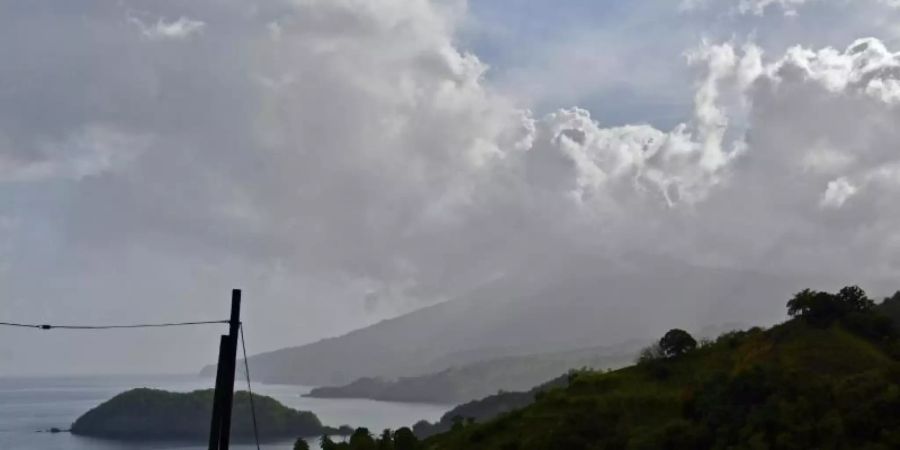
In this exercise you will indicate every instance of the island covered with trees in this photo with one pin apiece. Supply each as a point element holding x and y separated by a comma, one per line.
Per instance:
<point>155,415</point>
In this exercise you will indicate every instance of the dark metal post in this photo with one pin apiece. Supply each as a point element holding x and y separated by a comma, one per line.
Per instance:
<point>220,428</point>
<point>231,358</point>
<point>215,428</point>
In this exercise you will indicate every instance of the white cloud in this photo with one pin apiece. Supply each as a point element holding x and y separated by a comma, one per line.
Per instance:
<point>180,28</point>
<point>838,192</point>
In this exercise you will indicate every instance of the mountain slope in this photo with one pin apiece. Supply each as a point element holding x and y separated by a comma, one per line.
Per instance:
<point>477,380</point>
<point>575,304</point>
<point>795,386</point>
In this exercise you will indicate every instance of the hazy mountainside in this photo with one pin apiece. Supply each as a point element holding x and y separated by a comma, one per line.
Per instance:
<point>150,414</point>
<point>575,304</point>
<point>481,379</point>
<point>826,379</point>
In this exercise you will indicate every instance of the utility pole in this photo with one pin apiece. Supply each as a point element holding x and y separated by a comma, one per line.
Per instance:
<point>220,428</point>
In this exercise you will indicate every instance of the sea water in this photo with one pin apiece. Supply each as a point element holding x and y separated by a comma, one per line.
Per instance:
<point>31,406</point>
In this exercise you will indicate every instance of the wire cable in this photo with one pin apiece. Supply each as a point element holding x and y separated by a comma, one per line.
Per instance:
<point>249,389</point>
<point>109,327</point>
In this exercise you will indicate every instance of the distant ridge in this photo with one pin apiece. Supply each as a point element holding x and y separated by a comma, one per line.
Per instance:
<point>577,303</point>
<point>481,379</point>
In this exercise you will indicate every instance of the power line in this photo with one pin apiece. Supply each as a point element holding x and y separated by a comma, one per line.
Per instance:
<point>249,389</point>
<point>109,327</point>
<point>220,427</point>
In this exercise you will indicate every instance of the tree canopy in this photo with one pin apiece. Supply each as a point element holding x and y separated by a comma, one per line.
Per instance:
<point>676,343</point>
<point>362,439</point>
<point>823,308</point>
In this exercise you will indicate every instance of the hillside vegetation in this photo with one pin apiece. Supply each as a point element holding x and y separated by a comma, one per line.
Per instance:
<point>827,379</point>
<point>485,409</point>
<point>150,415</point>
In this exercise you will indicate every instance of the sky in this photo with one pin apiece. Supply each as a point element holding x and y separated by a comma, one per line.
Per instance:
<point>346,161</point>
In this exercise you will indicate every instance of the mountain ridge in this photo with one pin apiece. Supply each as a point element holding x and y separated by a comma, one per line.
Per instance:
<point>580,303</point>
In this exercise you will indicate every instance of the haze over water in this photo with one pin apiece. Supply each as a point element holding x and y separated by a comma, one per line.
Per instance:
<point>28,405</point>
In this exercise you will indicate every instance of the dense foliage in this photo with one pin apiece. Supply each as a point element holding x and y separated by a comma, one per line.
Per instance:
<point>362,439</point>
<point>676,343</point>
<point>150,414</point>
<point>827,379</point>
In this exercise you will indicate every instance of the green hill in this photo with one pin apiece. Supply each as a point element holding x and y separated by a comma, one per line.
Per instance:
<point>828,379</point>
<point>150,415</point>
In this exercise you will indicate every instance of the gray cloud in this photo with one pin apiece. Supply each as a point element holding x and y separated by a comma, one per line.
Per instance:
<point>328,154</point>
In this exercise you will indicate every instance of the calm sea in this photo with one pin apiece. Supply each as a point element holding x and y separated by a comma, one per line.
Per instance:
<point>29,405</point>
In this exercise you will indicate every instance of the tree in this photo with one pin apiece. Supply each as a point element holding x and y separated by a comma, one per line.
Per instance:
<point>386,442</point>
<point>361,439</point>
<point>802,303</point>
<point>823,308</point>
<point>891,307</point>
<point>325,443</point>
<point>651,353</point>
<point>301,444</point>
<point>404,439</point>
<point>676,343</point>
<point>855,299</point>
<point>893,299</point>
<point>457,423</point>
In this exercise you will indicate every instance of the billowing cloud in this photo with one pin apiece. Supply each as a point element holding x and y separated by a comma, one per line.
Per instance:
<point>325,154</point>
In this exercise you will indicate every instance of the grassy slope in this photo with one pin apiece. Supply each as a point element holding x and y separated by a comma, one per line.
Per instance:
<point>788,387</point>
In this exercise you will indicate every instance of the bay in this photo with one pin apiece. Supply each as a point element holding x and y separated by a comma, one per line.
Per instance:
<point>29,405</point>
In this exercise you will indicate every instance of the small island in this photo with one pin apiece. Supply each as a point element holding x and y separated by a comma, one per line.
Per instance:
<point>156,415</point>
